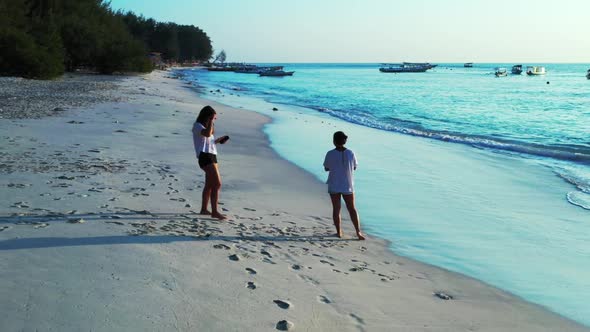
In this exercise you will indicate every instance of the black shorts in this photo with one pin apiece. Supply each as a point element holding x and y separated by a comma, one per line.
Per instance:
<point>207,159</point>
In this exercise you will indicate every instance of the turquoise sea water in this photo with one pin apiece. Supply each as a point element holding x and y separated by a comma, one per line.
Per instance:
<point>485,176</point>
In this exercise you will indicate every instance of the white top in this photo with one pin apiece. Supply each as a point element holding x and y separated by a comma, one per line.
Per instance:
<point>340,164</point>
<point>202,143</point>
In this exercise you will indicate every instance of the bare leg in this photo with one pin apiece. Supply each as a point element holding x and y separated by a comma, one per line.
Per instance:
<point>349,200</point>
<point>206,196</point>
<point>213,179</point>
<point>336,213</point>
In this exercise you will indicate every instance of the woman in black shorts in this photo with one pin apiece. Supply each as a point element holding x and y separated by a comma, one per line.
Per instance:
<point>204,140</point>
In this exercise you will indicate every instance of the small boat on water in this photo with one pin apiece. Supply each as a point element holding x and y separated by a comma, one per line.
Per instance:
<point>468,65</point>
<point>276,73</point>
<point>535,70</point>
<point>517,69</point>
<point>220,68</point>
<point>406,67</point>
<point>588,74</point>
<point>501,72</point>
<point>253,69</point>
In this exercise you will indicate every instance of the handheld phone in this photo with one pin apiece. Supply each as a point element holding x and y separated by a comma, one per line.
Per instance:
<point>223,139</point>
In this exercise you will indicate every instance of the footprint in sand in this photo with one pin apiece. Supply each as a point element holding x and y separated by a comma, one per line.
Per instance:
<point>309,279</point>
<point>251,271</point>
<point>266,260</point>
<point>443,296</point>
<point>283,304</point>
<point>3,228</point>
<point>115,222</point>
<point>41,225</point>
<point>251,285</point>
<point>285,325</point>
<point>358,319</point>
<point>326,262</point>
<point>234,257</point>
<point>324,299</point>
<point>296,267</point>
<point>221,246</point>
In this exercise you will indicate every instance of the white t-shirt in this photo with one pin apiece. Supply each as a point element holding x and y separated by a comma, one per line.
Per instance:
<point>202,143</point>
<point>340,164</point>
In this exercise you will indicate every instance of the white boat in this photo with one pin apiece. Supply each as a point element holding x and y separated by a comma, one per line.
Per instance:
<point>535,70</point>
<point>501,72</point>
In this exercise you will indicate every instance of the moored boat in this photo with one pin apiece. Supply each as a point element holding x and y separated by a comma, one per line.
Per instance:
<point>501,72</point>
<point>517,69</point>
<point>276,73</point>
<point>535,70</point>
<point>220,68</point>
<point>468,65</point>
<point>406,67</point>
<point>588,74</point>
<point>254,69</point>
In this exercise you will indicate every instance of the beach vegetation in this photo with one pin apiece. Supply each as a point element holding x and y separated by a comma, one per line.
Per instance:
<point>43,38</point>
<point>220,57</point>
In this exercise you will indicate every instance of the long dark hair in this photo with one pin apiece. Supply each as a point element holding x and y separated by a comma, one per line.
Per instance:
<point>205,114</point>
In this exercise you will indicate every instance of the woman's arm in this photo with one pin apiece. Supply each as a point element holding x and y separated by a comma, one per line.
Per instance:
<point>222,139</point>
<point>209,129</point>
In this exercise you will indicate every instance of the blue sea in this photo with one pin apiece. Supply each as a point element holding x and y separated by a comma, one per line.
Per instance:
<point>482,175</point>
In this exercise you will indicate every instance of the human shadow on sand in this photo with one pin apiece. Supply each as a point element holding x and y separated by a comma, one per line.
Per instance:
<point>53,242</point>
<point>123,216</point>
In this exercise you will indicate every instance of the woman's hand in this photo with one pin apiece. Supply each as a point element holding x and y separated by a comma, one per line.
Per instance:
<point>222,140</point>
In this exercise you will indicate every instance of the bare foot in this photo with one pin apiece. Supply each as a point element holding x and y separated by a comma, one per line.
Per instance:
<point>339,234</point>
<point>204,212</point>
<point>360,236</point>
<point>218,216</point>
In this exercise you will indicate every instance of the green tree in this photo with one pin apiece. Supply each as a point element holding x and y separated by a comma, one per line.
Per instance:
<point>220,57</point>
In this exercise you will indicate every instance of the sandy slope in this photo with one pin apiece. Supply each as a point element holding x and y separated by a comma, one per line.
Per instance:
<point>98,233</point>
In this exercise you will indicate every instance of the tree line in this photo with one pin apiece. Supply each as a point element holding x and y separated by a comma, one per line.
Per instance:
<point>44,38</point>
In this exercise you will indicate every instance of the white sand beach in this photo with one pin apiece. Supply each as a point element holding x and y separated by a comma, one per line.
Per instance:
<point>99,232</point>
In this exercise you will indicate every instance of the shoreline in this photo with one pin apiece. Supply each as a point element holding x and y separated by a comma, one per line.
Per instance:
<point>384,242</point>
<point>474,211</point>
<point>173,262</point>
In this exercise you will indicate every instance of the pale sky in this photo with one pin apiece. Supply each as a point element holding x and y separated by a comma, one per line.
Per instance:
<point>384,31</point>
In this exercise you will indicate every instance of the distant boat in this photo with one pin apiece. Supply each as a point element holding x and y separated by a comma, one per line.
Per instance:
<point>588,74</point>
<point>253,69</point>
<point>501,72</point>
<point>468,65</point>
<point>220,68</point>
<point>535,70</point>
<point>517,69</point>
<point>406,67</point>
<point>276,73</point>
<point>248,69</point>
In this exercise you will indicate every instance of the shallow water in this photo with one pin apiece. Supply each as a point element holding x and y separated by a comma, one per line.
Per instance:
<point>507,206</point>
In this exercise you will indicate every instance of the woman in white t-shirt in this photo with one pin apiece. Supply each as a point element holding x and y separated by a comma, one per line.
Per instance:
<point>204,141</point>
<point>340,163</point>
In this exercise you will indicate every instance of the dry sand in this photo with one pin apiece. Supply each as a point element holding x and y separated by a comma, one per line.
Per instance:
<point>98,232</point>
